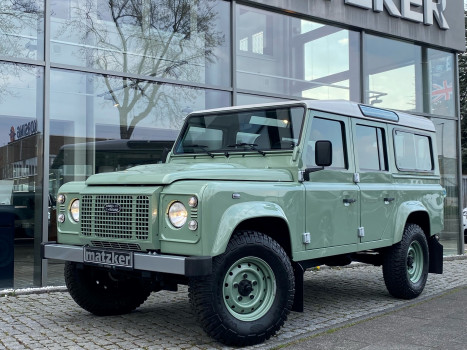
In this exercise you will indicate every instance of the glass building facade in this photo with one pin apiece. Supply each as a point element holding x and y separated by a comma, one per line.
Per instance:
<point>101,85</point>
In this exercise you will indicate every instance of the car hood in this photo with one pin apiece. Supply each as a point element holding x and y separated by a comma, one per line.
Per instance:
<point>164,174</point>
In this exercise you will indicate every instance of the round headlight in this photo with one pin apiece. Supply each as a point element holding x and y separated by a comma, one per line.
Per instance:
<point>61,199</point>
<point>74,210</point>
<point>177,214</point>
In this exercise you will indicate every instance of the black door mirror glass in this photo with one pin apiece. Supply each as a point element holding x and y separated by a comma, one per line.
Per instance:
<point>323,153</point>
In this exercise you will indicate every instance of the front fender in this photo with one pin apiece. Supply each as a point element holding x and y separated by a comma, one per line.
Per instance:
<point>405,209</point>
<point>238,213</point>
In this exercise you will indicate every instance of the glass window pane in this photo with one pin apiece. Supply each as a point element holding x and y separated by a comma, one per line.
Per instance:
<point>95,111</point>
<point>22,29</point>
<point>290,56</point>
<point>441,66</point>
<point>186,40</point>
<point>245,99</point>
<point>368,145</point>
<point>446,132</point>
<point>413,152</point>
<point>21,119</point>
<point>244,131</point>
<point>327,130</point>
<point>393,74</point>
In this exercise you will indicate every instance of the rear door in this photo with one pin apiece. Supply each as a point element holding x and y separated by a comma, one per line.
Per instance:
<point>377,192</point>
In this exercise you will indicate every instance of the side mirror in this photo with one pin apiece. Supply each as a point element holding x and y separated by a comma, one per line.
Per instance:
<point>323,153</point>
<point>323,158</point>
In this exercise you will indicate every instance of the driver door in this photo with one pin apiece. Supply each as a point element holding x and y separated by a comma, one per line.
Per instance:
<point>332,197</point>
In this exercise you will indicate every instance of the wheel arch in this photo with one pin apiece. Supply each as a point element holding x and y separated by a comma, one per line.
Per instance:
<point>275,227</point>
<point>265,217</point>
<point>415,213</point>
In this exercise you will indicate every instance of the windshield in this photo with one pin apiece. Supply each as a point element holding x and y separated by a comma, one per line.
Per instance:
<point>240,131</point>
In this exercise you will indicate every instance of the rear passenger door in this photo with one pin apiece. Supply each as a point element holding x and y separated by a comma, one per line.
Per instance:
<point>377,191</point>
<point>332,209</point>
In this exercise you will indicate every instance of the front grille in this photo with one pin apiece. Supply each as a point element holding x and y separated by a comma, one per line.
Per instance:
<point>116,245</point>
<point>130,222</point>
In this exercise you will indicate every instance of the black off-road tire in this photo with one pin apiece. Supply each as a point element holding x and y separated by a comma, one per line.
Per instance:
<point>405,276</point>
<point>103,293</point>
<point>249,258</point>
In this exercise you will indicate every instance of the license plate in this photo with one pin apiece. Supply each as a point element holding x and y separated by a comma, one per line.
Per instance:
<point>108,257</point>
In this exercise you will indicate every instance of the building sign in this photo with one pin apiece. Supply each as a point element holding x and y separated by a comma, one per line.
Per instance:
<point>421,11</point>
<point>438,23</point>
<point>23,131</point>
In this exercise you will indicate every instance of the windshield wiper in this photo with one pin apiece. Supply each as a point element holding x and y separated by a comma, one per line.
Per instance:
<point>203,147</point>
<point>251,145</point>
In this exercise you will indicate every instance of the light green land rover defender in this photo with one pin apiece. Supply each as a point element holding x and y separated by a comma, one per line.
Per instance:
<point>248,199</point>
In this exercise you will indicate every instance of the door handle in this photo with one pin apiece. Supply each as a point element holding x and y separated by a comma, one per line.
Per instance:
<point>348,201</point>
<point>387,200</point>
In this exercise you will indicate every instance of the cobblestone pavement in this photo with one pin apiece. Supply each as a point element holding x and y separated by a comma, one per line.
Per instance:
<point>332,296</point>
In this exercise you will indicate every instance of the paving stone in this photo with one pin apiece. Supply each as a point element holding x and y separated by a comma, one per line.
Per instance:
<point>52,320</point>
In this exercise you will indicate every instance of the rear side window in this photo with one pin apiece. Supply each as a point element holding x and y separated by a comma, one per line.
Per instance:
<point>413,152</point>
<point>371,148</point>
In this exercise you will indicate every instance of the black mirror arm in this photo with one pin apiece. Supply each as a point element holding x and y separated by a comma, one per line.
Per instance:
<point>308,171</point>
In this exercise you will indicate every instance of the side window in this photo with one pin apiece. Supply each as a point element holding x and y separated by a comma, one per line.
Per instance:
<point>371,148</point>
<point>413,152</point>
<point>327,130</point>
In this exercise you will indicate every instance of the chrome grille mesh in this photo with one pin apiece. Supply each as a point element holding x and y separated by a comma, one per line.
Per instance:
<point>131,222</point>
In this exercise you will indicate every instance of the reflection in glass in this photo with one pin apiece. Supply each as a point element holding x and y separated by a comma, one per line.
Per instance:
<point>244,99</point>
<point>446,131</point>
<point>185,40</point>
<point>114,123</point>
<point>330,130</point>
<point>20,174</point>
<point>441,67</point>
<point>22,29</point>
<point>290,56</point>
<point>393,74</point>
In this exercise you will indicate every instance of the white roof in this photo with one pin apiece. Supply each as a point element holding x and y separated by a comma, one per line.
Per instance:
<point>341,107</point>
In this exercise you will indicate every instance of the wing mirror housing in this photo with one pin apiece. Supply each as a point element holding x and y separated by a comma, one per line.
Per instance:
<point>323,158</point>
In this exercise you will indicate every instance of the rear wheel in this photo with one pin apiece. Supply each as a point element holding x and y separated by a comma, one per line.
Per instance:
<point>104,292</point>
<point>249,294</point>
<point>405,265</point>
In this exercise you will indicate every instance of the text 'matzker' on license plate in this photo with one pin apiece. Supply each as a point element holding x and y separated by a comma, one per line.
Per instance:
<point>108,257</point>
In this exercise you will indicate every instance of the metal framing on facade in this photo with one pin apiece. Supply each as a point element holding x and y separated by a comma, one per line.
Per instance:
<point>40,277</point>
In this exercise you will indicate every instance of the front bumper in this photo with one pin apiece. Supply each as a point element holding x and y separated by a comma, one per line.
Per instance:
<point>190,266</point>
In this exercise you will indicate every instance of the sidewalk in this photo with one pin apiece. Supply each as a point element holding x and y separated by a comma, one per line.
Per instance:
<point>437,323</point>
<point>333,298</point>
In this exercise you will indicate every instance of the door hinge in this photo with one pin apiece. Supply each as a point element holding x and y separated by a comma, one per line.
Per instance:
<point>306,238</point>
<point>356,178</point>
<point>361,232</point>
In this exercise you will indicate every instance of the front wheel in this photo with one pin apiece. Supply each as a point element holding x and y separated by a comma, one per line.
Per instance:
<point>249,294</point>
<point>104,292</point>
<point>405,264</point>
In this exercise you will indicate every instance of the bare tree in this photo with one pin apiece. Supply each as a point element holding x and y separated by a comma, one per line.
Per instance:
<point>167,39</point>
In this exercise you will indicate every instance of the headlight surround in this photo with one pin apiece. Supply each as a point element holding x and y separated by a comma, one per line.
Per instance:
<point>177,214</point>
<point>74,210</point>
